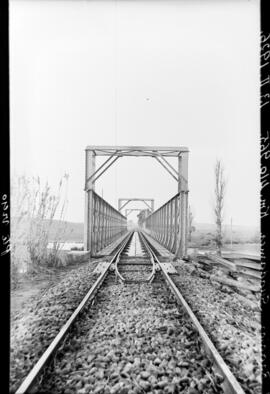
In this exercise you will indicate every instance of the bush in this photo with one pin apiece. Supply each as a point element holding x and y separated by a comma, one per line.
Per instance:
<point>14,275</point>
<point>33,209</point>
<point>77,248</point>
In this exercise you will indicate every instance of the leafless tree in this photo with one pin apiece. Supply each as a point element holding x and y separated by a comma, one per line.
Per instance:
<point>220,185</point>
<point>191,228</point>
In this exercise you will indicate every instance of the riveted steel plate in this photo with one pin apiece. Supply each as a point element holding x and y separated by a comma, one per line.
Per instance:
<point>169,268</point>
<point>101,267</point>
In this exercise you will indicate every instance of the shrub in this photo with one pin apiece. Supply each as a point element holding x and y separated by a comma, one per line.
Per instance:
<point>14,275</point>
<point>33,209</point>
<point>78,248</point>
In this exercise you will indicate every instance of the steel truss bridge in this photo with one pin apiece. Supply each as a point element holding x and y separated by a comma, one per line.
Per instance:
<point>103,224</point>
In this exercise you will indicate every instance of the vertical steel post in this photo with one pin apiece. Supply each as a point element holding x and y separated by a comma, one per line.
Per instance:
<point>171,226</point>
<point>90,165</point>
<point>86,207</point>
<point>167,228</point>
<point>94,216</point>
<point>175,222</point>
<point>159,225</point>
<point>106,225</point>
<point>98,224</point>
<point>102,226</point>
<point>183,190</point>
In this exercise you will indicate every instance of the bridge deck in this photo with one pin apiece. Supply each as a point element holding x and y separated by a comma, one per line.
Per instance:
<point>163,252</point>
<point>159,248</point>
<point>108,250</point>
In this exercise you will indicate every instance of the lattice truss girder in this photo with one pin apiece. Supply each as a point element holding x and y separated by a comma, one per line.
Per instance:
<point>168,224</point>
<point>123,202</point>
<point>159,153</point>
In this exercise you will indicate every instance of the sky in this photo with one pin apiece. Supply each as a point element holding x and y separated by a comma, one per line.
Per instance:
<point>126,72</point>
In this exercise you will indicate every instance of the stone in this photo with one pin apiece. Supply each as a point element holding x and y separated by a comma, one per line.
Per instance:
<point>145,374</point>
<point>157,361</point>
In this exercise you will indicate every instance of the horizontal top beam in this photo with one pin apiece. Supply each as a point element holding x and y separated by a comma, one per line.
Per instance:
<point>169,151</point>
<point>135,209</point>
<point>136,199</point>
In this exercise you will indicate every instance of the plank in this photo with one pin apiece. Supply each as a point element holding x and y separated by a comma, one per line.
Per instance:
<point>233,256</point>
<point>235,283</point>
<point>248,264</point>
<point>220,260</point>
<point>249,272</point>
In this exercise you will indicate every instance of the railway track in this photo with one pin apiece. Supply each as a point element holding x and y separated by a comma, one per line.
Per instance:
<point>133,268</point>
<point>132,333</point>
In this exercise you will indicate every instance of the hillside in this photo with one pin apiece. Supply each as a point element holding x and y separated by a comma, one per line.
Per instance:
<point>60,230</point>
<point>240,234</point>
<point>73,232</point>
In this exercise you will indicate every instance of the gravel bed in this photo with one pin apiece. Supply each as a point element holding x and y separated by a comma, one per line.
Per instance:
<point>233,326</point>
<point>35,327</point>
<point>134,339</point>
<point>136,272</point>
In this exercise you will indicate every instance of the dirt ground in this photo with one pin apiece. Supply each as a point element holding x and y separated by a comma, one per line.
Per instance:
<point>244,248</point>
<point>29,288</point>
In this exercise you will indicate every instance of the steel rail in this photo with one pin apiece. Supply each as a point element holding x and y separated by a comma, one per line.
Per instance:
<point>230,384</point>
<point>31,379</point>
<point>147,280</point>
<point>152,275</point>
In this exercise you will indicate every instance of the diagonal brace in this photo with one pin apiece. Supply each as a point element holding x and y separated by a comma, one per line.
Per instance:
<point>102,165</point>
<point>102,172</point>
<point>163,165</point>
<point>169,164</point>
<point>124,205</point>
<point>148,205</point>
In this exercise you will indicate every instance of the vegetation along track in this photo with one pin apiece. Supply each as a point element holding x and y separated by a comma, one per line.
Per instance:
<point>137,335</point>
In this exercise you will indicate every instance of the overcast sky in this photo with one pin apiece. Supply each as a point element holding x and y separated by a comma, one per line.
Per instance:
<point>173,73</point>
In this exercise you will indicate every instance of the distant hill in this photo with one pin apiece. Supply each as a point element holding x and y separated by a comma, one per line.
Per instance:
<point>59,230</point>
<point>73,232</point>
<point>239,233</point>
<point>227,227</point>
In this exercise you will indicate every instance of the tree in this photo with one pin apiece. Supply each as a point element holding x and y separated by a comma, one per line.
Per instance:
<point>220,185</point>
<point>191,228</point>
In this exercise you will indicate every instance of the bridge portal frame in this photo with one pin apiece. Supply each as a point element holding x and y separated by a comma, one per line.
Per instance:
<point>129,210</point>
<point>128,200</point>
<point>159,153</point>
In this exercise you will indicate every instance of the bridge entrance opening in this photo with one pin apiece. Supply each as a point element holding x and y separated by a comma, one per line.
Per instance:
<point>103,223</point>
<point>143,212</point>
<point>123,202</point>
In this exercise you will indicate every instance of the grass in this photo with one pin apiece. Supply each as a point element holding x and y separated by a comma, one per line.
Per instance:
<point>33,210</point>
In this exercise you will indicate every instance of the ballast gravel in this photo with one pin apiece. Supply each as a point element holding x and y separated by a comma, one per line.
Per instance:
<point>232,325</point>
<point>35,327</point>
<point>140,272</point>
<point>134,339</point>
